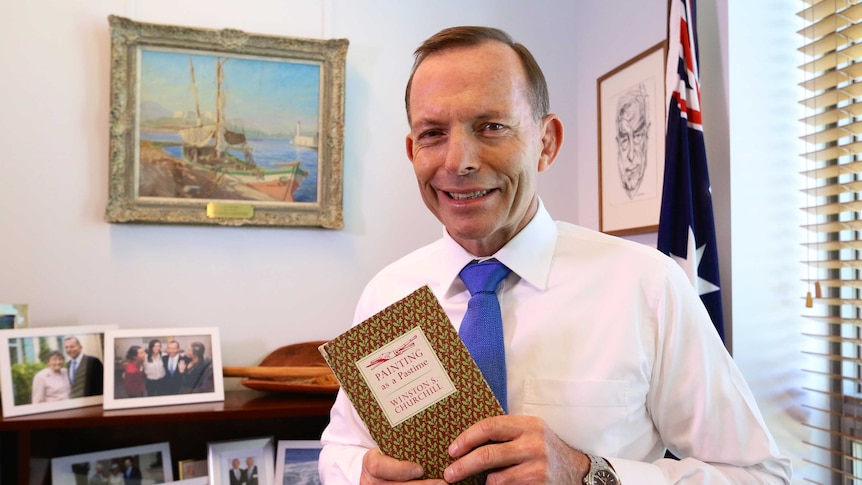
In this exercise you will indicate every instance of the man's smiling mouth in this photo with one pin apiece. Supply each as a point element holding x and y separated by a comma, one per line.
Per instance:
<point>469,195</point>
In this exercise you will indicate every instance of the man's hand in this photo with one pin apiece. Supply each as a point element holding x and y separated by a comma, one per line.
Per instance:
<point>518,450</point>
<point>379,469</point>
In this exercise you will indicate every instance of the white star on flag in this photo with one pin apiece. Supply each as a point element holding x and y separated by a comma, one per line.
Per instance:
<point>690,264</point>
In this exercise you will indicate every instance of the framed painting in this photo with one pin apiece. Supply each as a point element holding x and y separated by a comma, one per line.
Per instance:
<point>241,462</point>
<point>296,462</point>
<point>631,121</point>
<point>145,465</point>
<point>225,127</point>
<point>51,368</point>
<point>157,367</point>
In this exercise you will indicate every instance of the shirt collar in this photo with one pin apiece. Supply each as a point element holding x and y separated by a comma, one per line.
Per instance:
<point>528,254</point>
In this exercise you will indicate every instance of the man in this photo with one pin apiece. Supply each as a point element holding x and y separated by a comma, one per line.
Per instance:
<point>174,366</point>
<point>610,357</point>
<point>99,476</point>
<point>85,371</point>
<point>633,126</point>
<point>251,471</point>
<point>131,472</point>
<point>237,474</point>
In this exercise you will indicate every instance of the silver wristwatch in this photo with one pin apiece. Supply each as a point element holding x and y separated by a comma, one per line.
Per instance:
<point>601,472</point>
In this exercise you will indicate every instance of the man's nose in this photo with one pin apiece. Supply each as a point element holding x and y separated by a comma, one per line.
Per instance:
<point>461,152</point>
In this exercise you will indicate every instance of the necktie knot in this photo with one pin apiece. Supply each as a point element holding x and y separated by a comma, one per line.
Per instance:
<point>483,277</point>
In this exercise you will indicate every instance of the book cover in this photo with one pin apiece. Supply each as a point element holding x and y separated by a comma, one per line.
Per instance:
<point>412,381</point>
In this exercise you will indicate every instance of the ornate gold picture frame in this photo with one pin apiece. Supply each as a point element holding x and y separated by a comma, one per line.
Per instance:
<point>225,127</point>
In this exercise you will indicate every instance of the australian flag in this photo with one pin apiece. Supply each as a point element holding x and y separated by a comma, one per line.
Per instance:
<point>686,229</point>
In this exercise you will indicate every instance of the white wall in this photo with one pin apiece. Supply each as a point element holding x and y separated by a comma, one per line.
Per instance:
<point>268,287</point>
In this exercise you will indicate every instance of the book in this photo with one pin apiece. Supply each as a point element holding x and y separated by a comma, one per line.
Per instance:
<point>412,381</point>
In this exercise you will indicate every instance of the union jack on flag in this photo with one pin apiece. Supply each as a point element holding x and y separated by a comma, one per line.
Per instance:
<point>686,229</point>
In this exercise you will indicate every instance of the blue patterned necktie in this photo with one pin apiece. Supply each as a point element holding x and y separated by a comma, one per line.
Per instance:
<point>74,370</point>
<point>482,327</point>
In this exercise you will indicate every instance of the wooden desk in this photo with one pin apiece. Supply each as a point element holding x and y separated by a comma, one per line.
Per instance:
<point>27,443</point>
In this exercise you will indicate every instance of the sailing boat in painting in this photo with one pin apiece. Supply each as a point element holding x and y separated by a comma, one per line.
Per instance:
<point>209,145</point>
<point>209,157</point>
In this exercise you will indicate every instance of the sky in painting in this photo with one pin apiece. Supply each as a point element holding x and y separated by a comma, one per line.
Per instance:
<point>261,94</point>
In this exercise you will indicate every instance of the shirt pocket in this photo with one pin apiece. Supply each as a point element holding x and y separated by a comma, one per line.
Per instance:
<point>583,413</point>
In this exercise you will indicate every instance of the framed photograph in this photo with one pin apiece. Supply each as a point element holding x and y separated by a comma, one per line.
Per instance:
<point>192,469</point>
<point>156,367</point>
<point>144,465</point>
<point>296,462</point>
<point>225,127</point>
<point>204,480</point>
<point>245,462</point>
<point>631,143</point>
<point>14,315</point>
<point>51,368</point>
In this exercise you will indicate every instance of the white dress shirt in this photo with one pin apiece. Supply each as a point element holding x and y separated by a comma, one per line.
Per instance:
<point>607,341</point>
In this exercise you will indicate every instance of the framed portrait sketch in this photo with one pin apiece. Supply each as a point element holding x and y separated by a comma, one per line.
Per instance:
<point>225,127</point>
<point>145,465</point>
<point>51,368</point>
<point>631,121</point>
<point>296,462</point>
<point>248,462</point>
<point>156,367</point>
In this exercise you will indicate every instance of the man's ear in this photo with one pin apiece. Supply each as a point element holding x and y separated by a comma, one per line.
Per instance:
<point>408,143</point>
<point>552,140</point>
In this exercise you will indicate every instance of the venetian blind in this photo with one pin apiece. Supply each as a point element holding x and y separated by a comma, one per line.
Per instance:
<point>832,146</point>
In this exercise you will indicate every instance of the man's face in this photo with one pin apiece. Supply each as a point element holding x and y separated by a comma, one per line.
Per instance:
<point>235,463</point>
<point>249,462</point>
<point>72,348</point>
<point>475,145</point>
<point>632,131</point>
<point>173,348</point>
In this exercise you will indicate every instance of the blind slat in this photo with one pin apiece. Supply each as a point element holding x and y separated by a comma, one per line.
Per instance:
<point>833,171</point>
<point>834,96</point>
<point>833,189</point>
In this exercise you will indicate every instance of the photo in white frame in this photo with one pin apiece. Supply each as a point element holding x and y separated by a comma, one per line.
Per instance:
<point>147,465</point>
<point>37,373</point>
<point>250,460</point>
<point>185,368</point>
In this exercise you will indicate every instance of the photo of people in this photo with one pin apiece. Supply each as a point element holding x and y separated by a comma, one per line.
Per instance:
<point>48,369</point>
<point>185,368</point>
<point>244,462</point>
<point>163,366</point>
<point>142,465</point>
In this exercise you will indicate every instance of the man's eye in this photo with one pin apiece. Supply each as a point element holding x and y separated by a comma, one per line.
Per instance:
<point>494,126</point>
<point>430,134</point>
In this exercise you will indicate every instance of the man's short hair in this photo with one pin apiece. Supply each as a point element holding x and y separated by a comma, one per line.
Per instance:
<point>470,36</point>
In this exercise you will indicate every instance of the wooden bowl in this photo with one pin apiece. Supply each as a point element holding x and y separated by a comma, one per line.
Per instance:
<point>308,372</point>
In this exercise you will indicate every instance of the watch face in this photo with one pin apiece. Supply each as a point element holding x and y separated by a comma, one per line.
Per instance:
<point>605,477</point>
